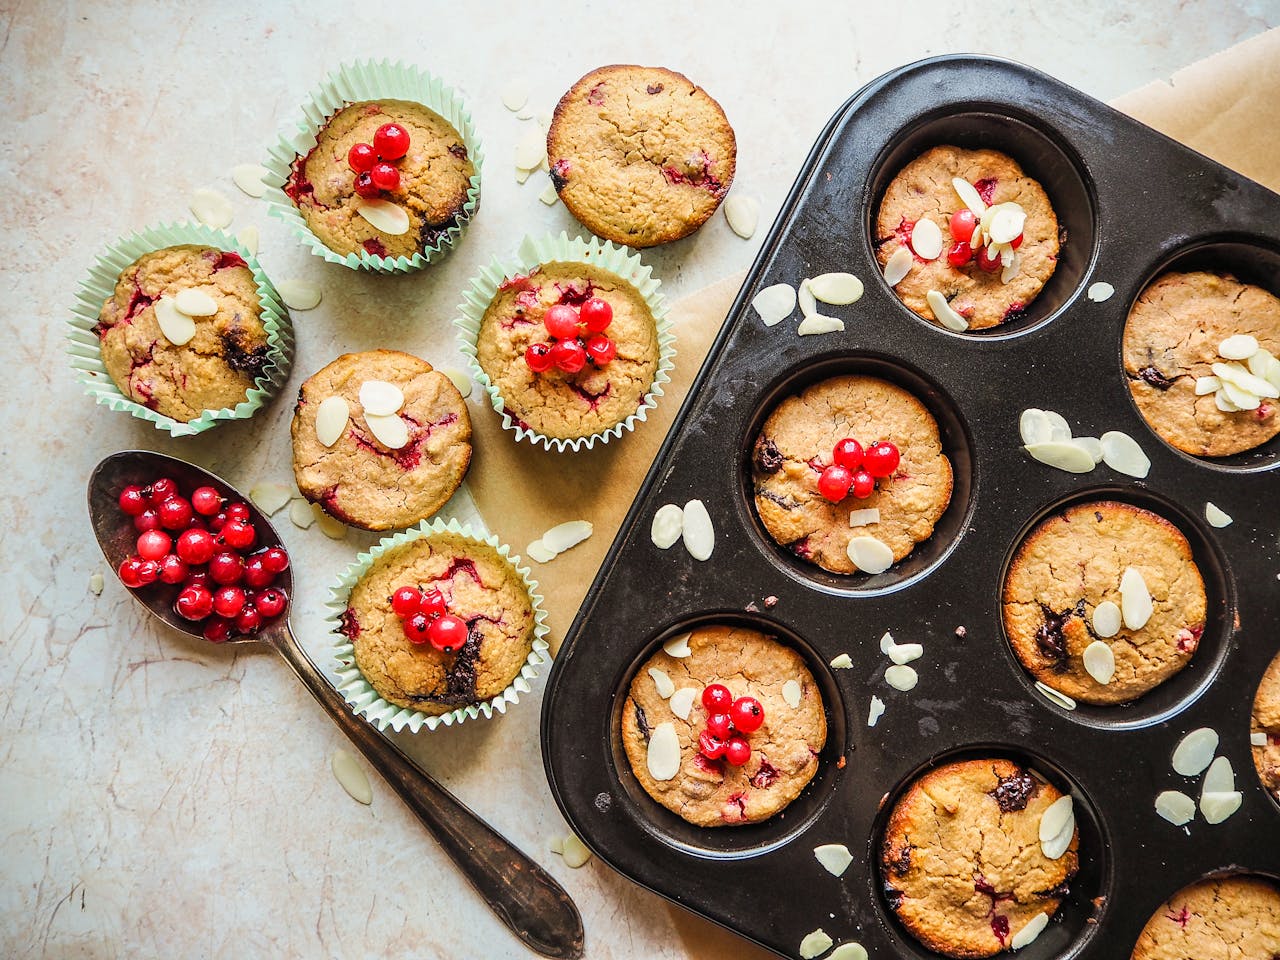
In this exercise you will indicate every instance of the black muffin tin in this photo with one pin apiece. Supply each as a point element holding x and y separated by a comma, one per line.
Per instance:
<point>1133,204</point>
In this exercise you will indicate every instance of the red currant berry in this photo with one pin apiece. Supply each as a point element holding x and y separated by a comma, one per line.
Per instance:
<point>721,724</point>
<point>194,603</point>
<point>959,254</point>
<point>275,559</point>
<point>385,176</point>
<point>238,534</point>
<point>432,604</point>
<point>596,314</point>
<point>365,186</point>
<point>747,714</point>
<point>1016,242</point>
<point>963,223</point>
<point>173,569</point>
<point>737,751</point>
<point>161,490</point>
<point>175,514</point>
<point>864,485</point>
<point>148,519</point>
<point>448,633</point>
<point>237,511</point>
<point>206,501</point>
<point>538,357</point>
<point>561,322</point>
<point>601,349</point>
<point>271,602</point>
<point>848,453</point>
<point>834,482</point>
<point>153,545</point>
<point>406,601</point>
<point>416,628</point>
<point>228,601</point>
<point>716,698</point>
<point>391,141</point>
<point>882,459</point>
<point>130,572</point>
<point>361,157</point>
<point>132,500</point>
<point>248,620</point>
<point>569,355</point>
<point>199,578</point>
<point>710,746</point>
<point>256,574</point>
<point>988,263</point>
<point>216,629</point>
<point>149,571</point>
<point>226,568</point>
<point>217,522</point>
<point>196,546</point>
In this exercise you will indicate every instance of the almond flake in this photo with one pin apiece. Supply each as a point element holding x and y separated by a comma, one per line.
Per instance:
<point>668,524</point>
<point>791,693</point>
<point>876,711</point>
<point>556,845</point>
<point>1238,375</point>
<point>1216,807</point>
<point>1263,364</point>
<point>348,772</point>
<point>390,431</point>
<point>565,535</point>
<point>248,238</point>
<point>195,303</point>
<point>459,380</point>
<point>905,652</point>
<point>1107,619</point>
<point>1121,453</point>
<point>678,646</point>
<point>1032,929</point>
<point>815,944</point>
<point>864,517</point>
<point>331,419</point>
<point>837,289</point>
<point>774,304</point>
<point>1240,398</point>
<point>1090,445</point>
<point>97,581</point>
<point>1100,291</point>
<point>1055,696</point>
<point>514,94</point>
<point>834,857</point>
<point>178,328</point>
<point>332,528</point>
<point>815,323</point>
<point>887,643</point>
<point>662,682</point>
<point>549,195</point>
<point>1062,454</point>
<point>270,497</point>
<point>742,214</point>
<point>1216,516</point>
<point>943,313</point>
<point>1176,807</point>
<point>1135,599</point>
<point>380,398</point>
<point>926,239</point>
<point>1206,385</point>
<point>539,552</point>
<point>849,951</point>
<point>1220,778</point>
<point>842,661</point>
<point>1007,221</point>
<point>901,677</point>
<point>808,302</point>
<point>1223,402</point>
<point>574,851</point>
<point>1012,268</point>
<point>248,177</point>
<point>384,216</point>
<point>1194,752</point>
<point>682,701</point>
<point>1099,662</point>
<point>1033,426</point>
<point>969,195</point>
<point>300,514</point>
<point>1059,429</point>
<point>211,208</point>
<point>1059,823</point>
<point>663,758</point>
<point>523,175</point>
<point>298,294</point>
<point>1239,347</point>
<point>530,150</point>
<point>1258,738</point>
<point>698,533</point>
<point>870,555</point>
<point>898,266</point>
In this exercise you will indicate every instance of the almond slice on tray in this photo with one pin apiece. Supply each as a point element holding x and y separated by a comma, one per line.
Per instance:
<point>211,208</point>
<point>1121,453</point>
<point>837,289</point>
<point>1034,426</point>
<point>775,303</point>
<point>1220,778</point>
<point>667,526</point>
<point>834,857</point>
<point>698,533</point>
<point>1195,751</point>
<point>298,294</point>
<point>249,178</point>
<point>808,302</point>
<point>1217,807</point>
<point>574,851</point>
<point>1176,807</point>
<point>842,661</point>
<point>816,323</point>
<point>742,214</point>
<point>1100,291</point>
<point>1062,454</point>
<point>1216,516</point>
<point>815,944</point>
<point>875,712</point>
<point>901,677</point>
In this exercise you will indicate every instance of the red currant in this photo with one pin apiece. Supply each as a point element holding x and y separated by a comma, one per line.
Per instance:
<point>238,511</point>
<point>864,485</point>
<point>561,322</point>
<point>834,482</point>
<point>275,559</point>
<point>175,514</point>
<point>721,724</point>
<point>988,263</point>
<point>361,157</point>
<point>226,568</point>
<point>747,714</point>
<point>405,602</point>
<point>148,519</point>
<point>161,490</point>
<point>416,628</point>
<point>153,545</point>
<point>432,604</point>
<point>596,314</point>
<point>848,453</point>
<point>216,629</point>
<point>206,501</point>
<point>217,522</point>
<point>238,534</point>
<point>132,500</point>
<point>271,602</point>
<point>710,746</point>
<point>716,698</point>
<point>198,578</point>
<point>248,620</point>
<point>228,601</point>
<point>538,357</point>
<point>173,569</point>
<point>882,459</point>
<point>391,141</point>
<point>963,223</point>
<point>194,603</point>
<point>737,751</point>
<point>1016,242</point>
<point>365,186</point>
<point>196,546</point>
<point>447,633</point>
<point>960,253</point>
<point>601,349</point>
<point>569,355</point>
<point>385,176</point>
<point>256,574</point>
<point>130,572</point>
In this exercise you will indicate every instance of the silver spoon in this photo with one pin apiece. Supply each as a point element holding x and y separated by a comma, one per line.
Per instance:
<point>520,892</point>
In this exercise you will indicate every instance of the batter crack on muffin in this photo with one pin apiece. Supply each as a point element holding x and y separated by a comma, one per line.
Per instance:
<point>1221,918</point>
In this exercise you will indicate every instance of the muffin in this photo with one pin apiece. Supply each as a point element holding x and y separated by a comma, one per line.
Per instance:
<point>1222,918</point>
<point>640,155</point>
<point>1265,729</point>
<point>962,863</point>
<point>433,179</point>
<point>215,365</point>
<point>357,475</point>
<point>514,350</point>
<point>1075,562</point>
<point>478,586</point>
<point>796,446</point>
<point>1171,356</point>
<point>983,290</point>
<point>712,790</point>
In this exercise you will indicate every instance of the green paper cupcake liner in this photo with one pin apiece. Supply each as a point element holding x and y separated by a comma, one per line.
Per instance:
<point>352,83</point>
<point>359,693</point>
<point>624,262</point>
<point>85,348</point>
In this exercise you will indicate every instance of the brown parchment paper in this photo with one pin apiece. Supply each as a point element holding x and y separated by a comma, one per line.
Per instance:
<point>1224,107</point>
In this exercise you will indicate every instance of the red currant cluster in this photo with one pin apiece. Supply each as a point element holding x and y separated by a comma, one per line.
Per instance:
<point>568,350</point>
<point>728,720</point>
<point>855,470</point>
<point>372,164</point>
<point>424,617</point>
<point>203,544</point>
<point>963,223</point>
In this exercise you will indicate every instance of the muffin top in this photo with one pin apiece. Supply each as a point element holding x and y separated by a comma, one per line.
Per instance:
<point>1266,723</point>
<point>357,477</point>
<point>213,369</point>
<point>434,177</point>
<point>640,155</point>
<point>1222,918</point>
<point>554,402</point>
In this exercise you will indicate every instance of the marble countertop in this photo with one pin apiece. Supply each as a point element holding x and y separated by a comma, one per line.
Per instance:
<point>162,797</point>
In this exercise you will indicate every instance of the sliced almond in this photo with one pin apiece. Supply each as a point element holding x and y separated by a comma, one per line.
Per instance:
<point>898,266</point>
<point>1059,429</point>
<point>248,238</point>
<point>298,294</point>
<point>1216,807</point>
<point>249,178</point>
<point>887,643</point>
<point>1223,402</point>
<point>1220,778</point>
<point>901,677</point>
<point>834,857</point>
<point>943,313</point>
<point>1256,739</point>
<point>837,289</point>
<point>1062,454</point>
<point>1033,426</point>
<point>905,652</point>
<point>969,196</point>
<point>864,517</point>
<point>1194,752</point>
<point>348,772</point>
<point>875,712</point>
<point>1100,291</point>
<point>1240,398</point>
<point>815,944</point>
<point>1099,662</point>
<point>195,303</point>
<point>574,851</point>
<point>1090,445</point>
<point>682,701</point>
<point>791,693</point>
<point>390,431</point>
<point>178,328</point>
<point>97,582</point>
<point>331,527</point>
<point>530,150</point>
<point>815,323</point>
<point>556,845</point>
<point>540,552</point>
<point>523,175</point>
<point>1055,696</point>
<point>1029,932</point>
<point>842,661</point>
<point>301,514</point>
<point>1216,516</point>
<point>678,646</point>
<point>1238,347</point>
<point>1176,807</point>
<point>1135,599</point>
<point>698,533</point>
<point>774,304</point>
<point>459,379</point>
<point>380,398</point>
<point>1206,385</point>
<point>742,214</point>
<point>870,555</point>
<point>211,208</point>
<point>1012,268</point>
<point>514,94</point>
<point>331,419</point>
<point>849,951</point>
<point>549,195</point>
<point>1055,848</point>
<point>668,524</point>
<point>1007,221</point>
<point>808,302</point>
<point>926,239</point>
<point>1055,818</point>
<point>566,535</point>
<point>663,757</point>
<point>384,216</point>
<point>662,682</point>
<point>1121,453</point>
<point>1107,619</point>
<point>270,497</point>
<point>1263,364</point>
<point>1239,375</point>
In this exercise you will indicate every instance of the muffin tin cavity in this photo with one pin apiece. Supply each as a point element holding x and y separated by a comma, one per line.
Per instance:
<point>1265,723</point>
<point>746,840</point>
<point>956,445</point>
<point>1185,687</point>
<point>1043,155</point>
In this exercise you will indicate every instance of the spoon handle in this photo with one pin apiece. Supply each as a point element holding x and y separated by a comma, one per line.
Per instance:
<point>521,893</point>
